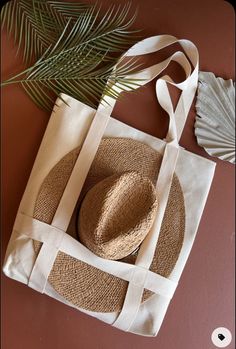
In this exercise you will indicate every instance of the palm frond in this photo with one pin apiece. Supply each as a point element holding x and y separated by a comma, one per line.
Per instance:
<point>77,72</point>
<point>68,9</point>
<point>76,58</point>
<point>35,24</point>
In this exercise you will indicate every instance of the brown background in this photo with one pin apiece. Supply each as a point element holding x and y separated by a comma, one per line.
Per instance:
<point>204,298</point>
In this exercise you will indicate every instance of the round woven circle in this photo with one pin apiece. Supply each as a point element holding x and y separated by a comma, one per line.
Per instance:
<point>117,214</point>
<point>83,285</point>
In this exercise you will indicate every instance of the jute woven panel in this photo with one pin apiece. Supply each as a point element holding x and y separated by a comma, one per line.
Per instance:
<point>86,286</point>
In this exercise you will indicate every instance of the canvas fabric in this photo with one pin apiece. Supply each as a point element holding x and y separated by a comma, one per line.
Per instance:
<point>77,125</point>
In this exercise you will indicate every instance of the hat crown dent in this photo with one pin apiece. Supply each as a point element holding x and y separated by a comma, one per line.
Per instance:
<point>121,209</point>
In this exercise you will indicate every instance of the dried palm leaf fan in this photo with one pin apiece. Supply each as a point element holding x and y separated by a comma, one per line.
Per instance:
<point>215,120</point>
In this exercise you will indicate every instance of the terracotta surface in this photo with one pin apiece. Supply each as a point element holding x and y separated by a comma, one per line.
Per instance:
<point>204,298</point>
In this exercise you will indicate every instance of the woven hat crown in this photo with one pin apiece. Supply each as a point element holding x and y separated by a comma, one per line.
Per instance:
<point>117,214</point>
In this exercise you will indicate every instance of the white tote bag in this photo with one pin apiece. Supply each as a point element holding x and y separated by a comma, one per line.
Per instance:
<point>77,125</point>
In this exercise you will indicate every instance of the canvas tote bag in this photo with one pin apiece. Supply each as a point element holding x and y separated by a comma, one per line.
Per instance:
<point>44,255</point>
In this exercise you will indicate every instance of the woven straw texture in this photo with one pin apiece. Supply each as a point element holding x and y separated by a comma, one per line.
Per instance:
<point>83,285</point>
<point>116,215</point>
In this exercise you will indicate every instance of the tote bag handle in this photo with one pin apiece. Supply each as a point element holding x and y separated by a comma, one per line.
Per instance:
<point>187,87</point>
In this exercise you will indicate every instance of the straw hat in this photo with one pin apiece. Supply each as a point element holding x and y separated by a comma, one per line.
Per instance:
<point>114,213</point>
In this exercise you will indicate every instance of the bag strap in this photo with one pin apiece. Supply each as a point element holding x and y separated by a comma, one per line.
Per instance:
<point>188,86</point>
<point>147,249</point>
<point>134,293</point>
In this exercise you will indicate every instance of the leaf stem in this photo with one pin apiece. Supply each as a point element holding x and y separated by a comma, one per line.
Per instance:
<point>15,76</point>
<point>11,81</point>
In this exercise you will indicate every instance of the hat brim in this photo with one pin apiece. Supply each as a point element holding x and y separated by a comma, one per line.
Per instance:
<point>81,284</point>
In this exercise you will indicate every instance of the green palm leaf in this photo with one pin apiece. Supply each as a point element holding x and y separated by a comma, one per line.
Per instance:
<point>75,63</point>
<point>36,24</point>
